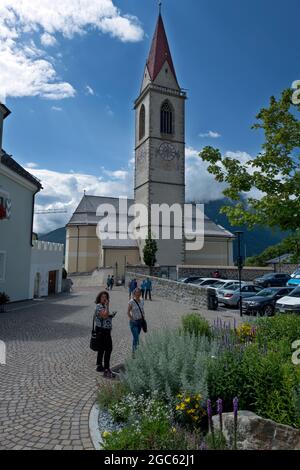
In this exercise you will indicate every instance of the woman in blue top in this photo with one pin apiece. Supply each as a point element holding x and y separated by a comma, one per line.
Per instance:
<point>103,319</point>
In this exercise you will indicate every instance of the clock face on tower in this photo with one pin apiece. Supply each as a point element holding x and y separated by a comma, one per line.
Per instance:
<point>167,152</point>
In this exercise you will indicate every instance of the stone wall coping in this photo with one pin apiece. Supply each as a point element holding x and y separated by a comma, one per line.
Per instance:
<point>248,268</point>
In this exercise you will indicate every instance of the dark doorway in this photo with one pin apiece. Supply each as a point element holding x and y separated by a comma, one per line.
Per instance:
<point>52,283</point>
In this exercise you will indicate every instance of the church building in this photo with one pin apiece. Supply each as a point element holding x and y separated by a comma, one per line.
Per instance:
<point>159,179</point>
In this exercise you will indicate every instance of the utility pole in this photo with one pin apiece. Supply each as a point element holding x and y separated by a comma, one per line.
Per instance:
<point>240,268</point>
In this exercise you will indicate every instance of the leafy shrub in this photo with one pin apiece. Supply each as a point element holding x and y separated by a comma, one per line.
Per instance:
<point>193,324</point>
<point>190,410</point>
<point>277,328</point>
<point>169,362</point>
<point>264,380</point>
<point>148,434</point>
<point>131,408</point>
<point>246,333</point>
<point>110,394</point>
<point>216,441</point>
<point>226,378</point>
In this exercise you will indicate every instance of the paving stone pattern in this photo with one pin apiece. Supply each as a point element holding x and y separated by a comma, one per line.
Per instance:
<point>49,384</point>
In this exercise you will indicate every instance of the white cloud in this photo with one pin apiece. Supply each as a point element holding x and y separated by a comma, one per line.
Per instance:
<point>31,165</point>
<point>201,186</point>
<point>56,108</point>
<point>89,90</point>
<point>27,71</point>
<point>48,40</point>
<point>109,111</point>
<point>65,190</point>
<point>210,134</point>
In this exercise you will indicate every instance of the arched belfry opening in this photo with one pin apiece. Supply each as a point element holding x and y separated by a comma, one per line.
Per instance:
<point>142,122</point>
<point>167,118</point>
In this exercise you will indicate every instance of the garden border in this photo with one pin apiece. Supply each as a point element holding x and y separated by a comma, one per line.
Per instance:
<point>95,434</point>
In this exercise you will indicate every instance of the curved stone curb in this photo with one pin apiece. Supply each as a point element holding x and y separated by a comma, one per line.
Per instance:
<point>95,434</point>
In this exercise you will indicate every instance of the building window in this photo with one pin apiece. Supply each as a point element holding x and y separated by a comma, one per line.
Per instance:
<point>166,118</point>
<point>2,265</point>
<point>142,123</point>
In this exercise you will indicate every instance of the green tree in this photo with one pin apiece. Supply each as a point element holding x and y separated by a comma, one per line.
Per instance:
<point>150,250</point>
<point>273,175</point>
<point>290,245</point>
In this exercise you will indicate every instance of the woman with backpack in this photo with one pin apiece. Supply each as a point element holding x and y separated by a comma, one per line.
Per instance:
<point>136,316</point>
<point>103,320</point>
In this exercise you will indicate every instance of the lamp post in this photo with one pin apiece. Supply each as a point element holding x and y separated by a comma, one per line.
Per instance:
<point>240,268</point>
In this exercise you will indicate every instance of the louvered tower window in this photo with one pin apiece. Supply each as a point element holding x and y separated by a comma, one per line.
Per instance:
<point>166,118</point>
<point>142,122</point>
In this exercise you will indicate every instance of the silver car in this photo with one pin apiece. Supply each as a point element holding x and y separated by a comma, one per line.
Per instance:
<point>231,295</point>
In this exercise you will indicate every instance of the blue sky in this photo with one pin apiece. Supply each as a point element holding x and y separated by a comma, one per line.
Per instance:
<point>231,55</point>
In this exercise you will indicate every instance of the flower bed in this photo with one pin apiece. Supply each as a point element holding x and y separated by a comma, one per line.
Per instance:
<point>179,379</point>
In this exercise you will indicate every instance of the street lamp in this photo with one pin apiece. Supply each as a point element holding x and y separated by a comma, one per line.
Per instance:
<point>240,268</point>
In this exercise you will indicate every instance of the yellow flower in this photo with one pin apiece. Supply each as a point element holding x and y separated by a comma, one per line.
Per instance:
<point>179,395</point>
<point>189,411</point>
<point>197,406</point>
<point>105,434</point>
<point>187,400</point>
<point>182,406</point>
<point>177,407</point>
<point>174,430</point>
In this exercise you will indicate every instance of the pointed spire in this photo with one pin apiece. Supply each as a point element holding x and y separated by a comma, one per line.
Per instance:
<point>160,50</point>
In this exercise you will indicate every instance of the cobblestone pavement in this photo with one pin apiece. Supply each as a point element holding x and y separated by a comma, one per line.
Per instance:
<point>49,384</point>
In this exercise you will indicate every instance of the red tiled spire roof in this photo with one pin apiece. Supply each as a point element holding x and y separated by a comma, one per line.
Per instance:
<point>160,51</point>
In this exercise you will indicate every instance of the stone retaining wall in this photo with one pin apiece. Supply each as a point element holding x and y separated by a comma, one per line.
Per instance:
<point>228,272</point>
<point>172,290</point>
<point>286,268</point>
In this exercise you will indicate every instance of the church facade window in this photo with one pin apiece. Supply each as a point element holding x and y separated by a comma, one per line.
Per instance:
<point>166,118</point>
<point>142,122</point>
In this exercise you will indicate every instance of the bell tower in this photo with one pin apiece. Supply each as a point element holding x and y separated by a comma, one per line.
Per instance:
<point>160,143</point>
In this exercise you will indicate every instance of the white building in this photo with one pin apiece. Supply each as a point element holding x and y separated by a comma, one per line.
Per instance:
<point>46,269</point>
<point>26,267</point>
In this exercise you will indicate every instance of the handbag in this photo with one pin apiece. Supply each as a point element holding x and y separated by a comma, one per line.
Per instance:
<point>94,342</point>
<point>143,321</point>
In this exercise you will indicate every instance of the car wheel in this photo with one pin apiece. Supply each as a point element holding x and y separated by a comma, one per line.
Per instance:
<point>268,311</point>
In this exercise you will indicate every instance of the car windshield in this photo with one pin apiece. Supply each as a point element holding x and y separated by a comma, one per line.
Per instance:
<point>231,287</point>
<point>219,284</point>
<point>266,292</point>
<point>295,293</point>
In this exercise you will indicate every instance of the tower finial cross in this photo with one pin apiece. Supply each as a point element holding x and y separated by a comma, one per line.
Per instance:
<point>159,5</point>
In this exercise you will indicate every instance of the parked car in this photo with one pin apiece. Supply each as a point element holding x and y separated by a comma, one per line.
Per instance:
<point>188,280</point>
<point>272,280</point>
<point>225,283</point>
<point>295,278</point>
<point>289,303</point>
<point>206,282</point>
<point>230,295</point>
<point>263,303</point>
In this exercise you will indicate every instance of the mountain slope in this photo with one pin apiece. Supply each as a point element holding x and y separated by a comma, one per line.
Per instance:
<point>253,243</point>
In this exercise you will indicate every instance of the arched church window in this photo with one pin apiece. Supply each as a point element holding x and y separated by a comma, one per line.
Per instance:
<point>142,122</point>
<point>166,118</point>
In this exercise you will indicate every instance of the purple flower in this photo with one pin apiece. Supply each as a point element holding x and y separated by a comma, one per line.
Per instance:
<point>203,446</point>
<point>220,406</point>
<point>209,409</point>
<point>235,406</point>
